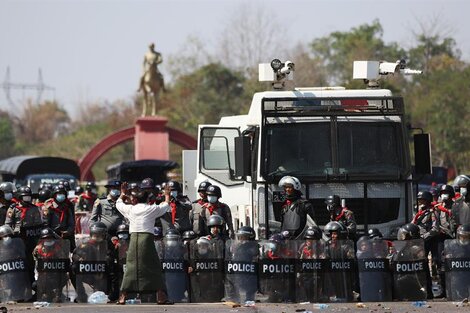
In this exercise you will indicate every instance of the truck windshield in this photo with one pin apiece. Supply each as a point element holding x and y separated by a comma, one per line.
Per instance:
<point>327,148</point>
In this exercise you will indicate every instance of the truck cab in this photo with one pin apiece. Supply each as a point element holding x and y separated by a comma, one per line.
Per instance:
<point>351,143</point>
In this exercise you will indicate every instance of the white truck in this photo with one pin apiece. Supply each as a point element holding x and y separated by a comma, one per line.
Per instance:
<point>352,143</point>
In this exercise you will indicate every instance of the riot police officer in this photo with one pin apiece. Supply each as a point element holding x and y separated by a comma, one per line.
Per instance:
<point>7,190</point>
<point>341,214</point>
<point>87,199</point>
<point>434,223</point>
<point>14,281</point>
<point>214,206</point>
<point>410,271</point>
<point>241,259</point>
<point>197,208</point>
<point>90,263</point>
<point>216,225</point>
<point>52,264</point>
<point>461,210</point>
<point>104,209</point>
<point>58,215</point>
<point>26,221</point>
<point>457,254</point>
<point>180,207</point>
<point>341,268</point>
<point>294,209</point>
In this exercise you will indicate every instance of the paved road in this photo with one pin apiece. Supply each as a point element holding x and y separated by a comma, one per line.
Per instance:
<point>388,307</point>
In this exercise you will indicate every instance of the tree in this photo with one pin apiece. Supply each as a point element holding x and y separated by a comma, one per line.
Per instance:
<point>339,50</point>
<point>7,136</point>
<point>42,122</point>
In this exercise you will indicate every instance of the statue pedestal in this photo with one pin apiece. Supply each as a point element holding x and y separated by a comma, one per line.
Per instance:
<point>151,139</point>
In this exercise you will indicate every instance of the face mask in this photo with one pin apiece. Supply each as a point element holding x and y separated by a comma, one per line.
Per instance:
<point>60,198</point>
<point>94,191</point>
<point>463,191</point>
<point>48,243</point>
<point>444,197</point>
<point>212,199</point>
<point>123,236</point>
<point>27,199</point>
<point>174,193</point>
<point>8,196</point>
<point>114,193</point>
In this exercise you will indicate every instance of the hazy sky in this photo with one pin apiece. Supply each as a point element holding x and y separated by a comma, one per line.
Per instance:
<point>93,50</point>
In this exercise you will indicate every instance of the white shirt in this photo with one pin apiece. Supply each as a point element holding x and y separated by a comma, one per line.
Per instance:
<point>142,215</point>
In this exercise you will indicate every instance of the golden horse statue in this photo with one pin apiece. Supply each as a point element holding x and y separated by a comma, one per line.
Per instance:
<point>151,82</point>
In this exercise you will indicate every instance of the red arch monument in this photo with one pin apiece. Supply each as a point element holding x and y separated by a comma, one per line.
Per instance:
<point>151,136</point>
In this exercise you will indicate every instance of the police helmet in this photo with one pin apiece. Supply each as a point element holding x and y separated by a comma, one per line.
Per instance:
<point>290,180</point>
<point>24,191</point>
<point>140,194</point>
<point>363,243</point>
<point>44,194</point>
<point>463,233</point>
<point>158,188</point>
<point>133,186</point>
<point>66,184</point>
<point>203,241</point>
<point>337,227</point>
<point>203,186</point>
<point>461,181</point>
<point>7,187</point>
<point>174,185</point>
<point>157,232</point>
<point>6,231</point>
<point>59,189</point>
<point>113,184</point>
<point>277,237</point>
<point>172,234</point>
<point>434,192</point>
<point>98,228</point>
<point>425,195</point>
<point>333,200</point>
<point>408,231</point>
<point>448,189</point>
<point>215,220</point>
<point>90,185</point>
<point>313,232</point>
<point>48,233</point>
<point>374,233</point>
<point>147,183</point>
<point>214,190</point>
<point>246,232</point>
<point>78,190</point>
<point>189,235</point>
<point>123,228</point>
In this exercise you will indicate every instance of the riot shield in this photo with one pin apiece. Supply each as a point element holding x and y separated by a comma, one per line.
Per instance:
<point>206,270</point>
<point>52,265</point>
<point>277,271</point>
<point>175,269</point>
<point>14,279</point>
<point>340,280</point>
<point>310,268</point>
<point>375,277</point>
<point>409,267</point>
<point>241,270</point>
<point>90,267</point>
<point>457,262</point>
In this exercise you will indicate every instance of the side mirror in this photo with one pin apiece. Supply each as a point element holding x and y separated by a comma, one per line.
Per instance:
<point>422,143</point>
<point>242,156</point>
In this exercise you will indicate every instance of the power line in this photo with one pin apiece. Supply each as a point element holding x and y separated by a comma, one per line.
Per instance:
<point>40,87</point>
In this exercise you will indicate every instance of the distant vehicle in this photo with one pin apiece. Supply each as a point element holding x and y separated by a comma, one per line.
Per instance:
<point>136,171</point>
<point>438,176</point>
<point>36,170</point>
